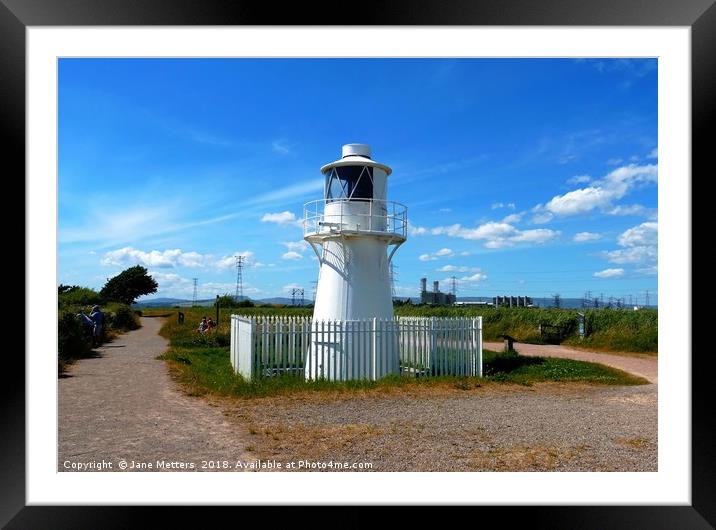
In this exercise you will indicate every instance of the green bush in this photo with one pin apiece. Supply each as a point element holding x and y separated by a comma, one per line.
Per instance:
<point>122,318</point>
<point>70,297</point>
<point>72,339</point>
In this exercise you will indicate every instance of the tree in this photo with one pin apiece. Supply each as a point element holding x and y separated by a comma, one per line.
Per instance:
<point>128,285</point>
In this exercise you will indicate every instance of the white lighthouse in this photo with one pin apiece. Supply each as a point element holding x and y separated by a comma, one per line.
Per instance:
<point>355,232</point>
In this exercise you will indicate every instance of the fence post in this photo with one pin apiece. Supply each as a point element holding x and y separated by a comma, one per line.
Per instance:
<point>479,346</point>
<point>374,348</point>
<point>431,350</point>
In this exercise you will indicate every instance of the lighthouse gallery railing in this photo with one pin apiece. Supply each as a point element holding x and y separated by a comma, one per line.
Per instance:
<point>324,217</point>
<point>274,345</point>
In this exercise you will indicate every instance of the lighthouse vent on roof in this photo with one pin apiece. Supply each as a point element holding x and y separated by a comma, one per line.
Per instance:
<point>356,150</point>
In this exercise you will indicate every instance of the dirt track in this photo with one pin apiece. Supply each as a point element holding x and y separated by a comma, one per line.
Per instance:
<point>124,405</point>
<point>642,365</point>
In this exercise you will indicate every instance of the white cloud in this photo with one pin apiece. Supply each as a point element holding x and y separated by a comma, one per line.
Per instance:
<point>455,268</point>
<point>280,218</point>
<point>513,218</point>
<point>583,237</point>
<point>602,193</point>
<point>579,179</point>
<point>632,255</point>
<point>649,271</point>
<point>291,255</point>
<point>280,147</point>
<point>229,262</point>
<point>640,247</point>
<point>541,218</point>
<point>442,253</point>
<point>629,209</point>
<point>614,161</point>
<point>477,277</point>
<point>299,246</point>
<point>509,205</point>
<point>416,230</point>
<point>162,258</point>
<point>580,201</point>
<point>654,153</point>
<point>645,234</point>
<point>610,273</point>
<point>537,235</point>
<point>496,235</point>
<point>290,287</point>
<point>288,193</point>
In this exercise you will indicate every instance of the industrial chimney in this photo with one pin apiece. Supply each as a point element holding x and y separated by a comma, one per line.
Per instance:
<point>436,286</point>
<point>423,285</point>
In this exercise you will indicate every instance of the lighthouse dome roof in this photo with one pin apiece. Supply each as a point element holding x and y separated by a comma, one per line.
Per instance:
<point>356,155</point>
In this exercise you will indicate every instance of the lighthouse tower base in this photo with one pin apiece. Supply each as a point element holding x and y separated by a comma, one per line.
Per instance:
<point>353,335</point>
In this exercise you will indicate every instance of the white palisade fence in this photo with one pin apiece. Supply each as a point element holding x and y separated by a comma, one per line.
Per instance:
<point>354,349</point>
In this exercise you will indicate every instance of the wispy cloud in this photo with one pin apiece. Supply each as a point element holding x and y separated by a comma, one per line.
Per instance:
<point>173,258</point>
<point>455,268</point>
<point>294,192</point>
<point>583,237</point>
<point>281,218</point>
<point>610,273</point>
<point>601,194</point>
<point>497,235</point>
<point>509,205</point>
<point>442,253</point>
<point>281,147</point>
<point>639,246</point>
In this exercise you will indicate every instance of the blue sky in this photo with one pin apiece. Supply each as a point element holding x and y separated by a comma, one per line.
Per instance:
<point>521,176</point>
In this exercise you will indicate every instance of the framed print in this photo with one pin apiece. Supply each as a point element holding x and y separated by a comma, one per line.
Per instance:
<point>154,88</point>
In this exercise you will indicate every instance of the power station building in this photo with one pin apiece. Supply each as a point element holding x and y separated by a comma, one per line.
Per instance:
<point>512,301</point>
<point>434,297</point>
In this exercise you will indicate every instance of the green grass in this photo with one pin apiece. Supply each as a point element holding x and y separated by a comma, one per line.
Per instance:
<point>514,368</point>
<point>616,330</point>
<point>201,363</point>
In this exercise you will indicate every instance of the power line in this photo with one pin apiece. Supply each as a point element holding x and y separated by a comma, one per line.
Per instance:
<point>239,278</point>
<point>296,292</point>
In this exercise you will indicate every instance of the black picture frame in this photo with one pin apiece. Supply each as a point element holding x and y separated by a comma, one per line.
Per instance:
<point>699,15</point>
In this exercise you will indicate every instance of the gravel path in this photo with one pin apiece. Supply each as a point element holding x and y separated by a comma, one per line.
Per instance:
<point>495,427</point>
<point>638,364</point>
<point>124,405</point>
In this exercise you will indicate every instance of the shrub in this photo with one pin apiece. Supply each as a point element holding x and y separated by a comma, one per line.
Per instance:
<point>75,296</point>
<point>72,339</point>
<point>122,318</point>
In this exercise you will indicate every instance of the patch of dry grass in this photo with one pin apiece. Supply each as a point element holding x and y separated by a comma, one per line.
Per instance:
<point>524,458</point>
<point>636,443</point>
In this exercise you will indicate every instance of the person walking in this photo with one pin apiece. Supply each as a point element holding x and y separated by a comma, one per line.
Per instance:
<point>97,317</point>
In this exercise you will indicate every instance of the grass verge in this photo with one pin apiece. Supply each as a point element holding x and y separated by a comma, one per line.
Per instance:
<point>201,364</point>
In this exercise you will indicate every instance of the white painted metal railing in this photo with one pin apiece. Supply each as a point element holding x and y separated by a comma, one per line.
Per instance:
<point>356,349</point>
<point>324,217</point>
